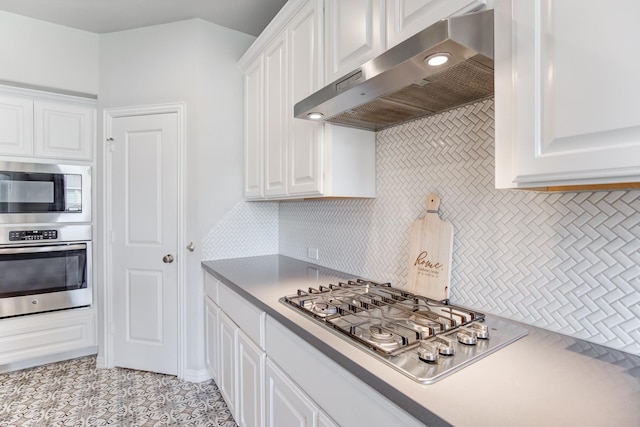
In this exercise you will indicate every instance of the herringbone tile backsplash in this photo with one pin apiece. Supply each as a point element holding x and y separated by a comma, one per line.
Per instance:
<point>566,262</point>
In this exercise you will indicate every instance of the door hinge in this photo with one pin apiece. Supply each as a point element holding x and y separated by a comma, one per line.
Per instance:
<point>111,144</point>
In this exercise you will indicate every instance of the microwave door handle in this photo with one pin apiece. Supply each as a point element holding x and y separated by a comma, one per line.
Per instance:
<point>35,249</point>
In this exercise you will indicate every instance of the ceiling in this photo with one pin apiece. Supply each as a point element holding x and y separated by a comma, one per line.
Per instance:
<point>105,16</point>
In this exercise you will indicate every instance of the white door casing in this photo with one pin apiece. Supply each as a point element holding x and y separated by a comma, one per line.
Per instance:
<point>144,296</point>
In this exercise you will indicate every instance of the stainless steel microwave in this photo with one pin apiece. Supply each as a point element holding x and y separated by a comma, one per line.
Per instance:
<point>44,193</point>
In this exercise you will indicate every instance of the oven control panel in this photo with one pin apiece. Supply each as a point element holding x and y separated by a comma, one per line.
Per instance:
<point>16,236</point>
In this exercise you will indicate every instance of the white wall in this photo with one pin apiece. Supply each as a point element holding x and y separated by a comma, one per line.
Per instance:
<point>38,53</point>
<point>194,62</point>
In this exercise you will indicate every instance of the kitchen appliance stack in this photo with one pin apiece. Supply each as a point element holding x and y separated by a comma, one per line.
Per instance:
<point>45,238</point>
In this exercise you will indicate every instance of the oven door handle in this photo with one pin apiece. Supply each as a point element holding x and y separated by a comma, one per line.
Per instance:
<point>38,249</point>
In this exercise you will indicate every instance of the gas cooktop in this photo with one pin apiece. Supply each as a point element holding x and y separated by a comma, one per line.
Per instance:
<point>423,338</point>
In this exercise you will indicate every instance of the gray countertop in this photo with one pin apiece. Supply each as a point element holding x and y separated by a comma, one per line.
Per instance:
<point>542,379</point>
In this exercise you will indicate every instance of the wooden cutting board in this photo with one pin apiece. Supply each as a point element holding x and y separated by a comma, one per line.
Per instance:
<point>430,253</point>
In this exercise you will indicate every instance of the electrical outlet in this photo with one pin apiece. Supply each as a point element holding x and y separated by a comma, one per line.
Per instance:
<point>312,253</point>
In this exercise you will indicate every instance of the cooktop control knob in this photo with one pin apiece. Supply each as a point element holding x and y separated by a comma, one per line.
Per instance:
<point>481,330</point>
<point>428,352</point>
<point>445,345</point>
<point>467,336</point>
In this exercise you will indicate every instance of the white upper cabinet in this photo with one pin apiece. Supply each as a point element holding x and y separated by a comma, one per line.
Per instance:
<point>45,125</point>
<point>566,93</point>
<point>354,34</point>
<point>275,117</point>
<point>297,158</point>
<point>253,130</point>
<point>305,138</point>
<point>16,126</point>
<point>359,30</point>
<point>63,130</point>
<point>408,17</point>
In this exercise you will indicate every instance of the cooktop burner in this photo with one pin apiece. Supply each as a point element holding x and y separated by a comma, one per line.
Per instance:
<point>423,338</point>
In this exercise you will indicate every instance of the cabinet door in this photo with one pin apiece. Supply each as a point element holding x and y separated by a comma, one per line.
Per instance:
<point>16,126</point>
<point>63,131</point>
<point>408,17</point>
<point>227,337</point>
<point>287,405</point>
<point>275,117</point>
<point>354,35</point>
<point>253,132</point>
<point>250,404</point>
<point>325,421</point>
<point>567,92</point>
<point>212,350</point>
<point>305,138</point>
<point>47,335</point>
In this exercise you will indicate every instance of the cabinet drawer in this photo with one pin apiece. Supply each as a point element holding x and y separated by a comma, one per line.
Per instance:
<point>211,287</point>
<point>249,318</point>
<point>28,337</point>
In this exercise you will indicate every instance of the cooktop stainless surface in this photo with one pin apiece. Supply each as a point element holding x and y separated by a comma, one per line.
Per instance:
<point>423,338</point>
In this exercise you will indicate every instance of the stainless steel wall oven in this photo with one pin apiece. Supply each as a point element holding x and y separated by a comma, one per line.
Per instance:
<point>44,268</point>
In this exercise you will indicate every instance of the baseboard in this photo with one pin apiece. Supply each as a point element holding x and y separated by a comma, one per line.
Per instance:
<point>44,360</point>
<point>196,375</point>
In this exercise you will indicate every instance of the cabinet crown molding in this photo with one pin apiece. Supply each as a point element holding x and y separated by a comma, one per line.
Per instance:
<point>276,25</point>
<point>41,92</point>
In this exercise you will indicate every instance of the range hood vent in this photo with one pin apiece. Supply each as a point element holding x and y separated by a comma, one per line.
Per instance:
<point>399,85</point>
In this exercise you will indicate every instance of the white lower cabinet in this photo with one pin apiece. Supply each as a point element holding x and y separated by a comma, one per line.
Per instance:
<point>325,421</point>
<point>227,335</point>
<point>41,336</point>
<point>269,377</point>
<point>235,361</point>
<point>287,405</point>
<point>250,379</point>
<point>211,337</point>
<point>316,377</point>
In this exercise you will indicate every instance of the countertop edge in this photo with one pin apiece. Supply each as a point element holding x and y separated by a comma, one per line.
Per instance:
<point>391,393</point>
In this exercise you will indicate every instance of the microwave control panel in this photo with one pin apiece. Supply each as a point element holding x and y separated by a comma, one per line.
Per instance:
<point>16,236</point>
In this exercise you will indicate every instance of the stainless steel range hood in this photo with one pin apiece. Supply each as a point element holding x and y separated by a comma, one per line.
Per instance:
<point>399,85</point>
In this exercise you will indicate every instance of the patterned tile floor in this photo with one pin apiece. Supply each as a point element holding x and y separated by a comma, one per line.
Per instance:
<point>75,393</point>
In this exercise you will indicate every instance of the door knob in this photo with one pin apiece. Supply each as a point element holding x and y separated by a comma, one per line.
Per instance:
<point>167,259</point>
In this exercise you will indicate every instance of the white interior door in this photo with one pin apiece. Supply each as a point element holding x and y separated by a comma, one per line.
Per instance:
<point>144,212</point>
